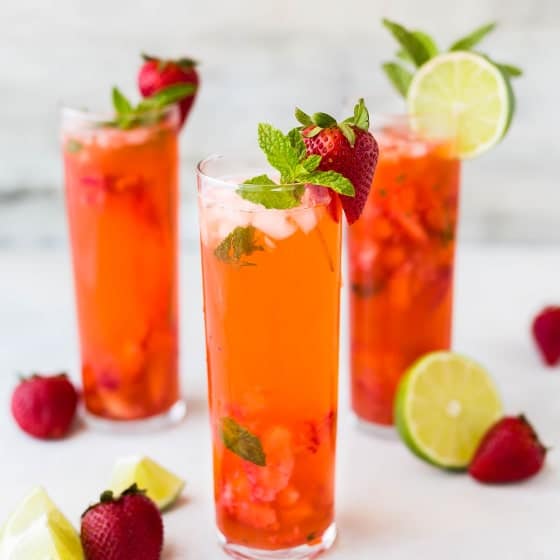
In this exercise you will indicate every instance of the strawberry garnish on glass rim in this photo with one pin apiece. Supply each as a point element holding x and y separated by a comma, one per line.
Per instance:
<point>157,74</point>
<point>340,157</point>
<point>347,148</point>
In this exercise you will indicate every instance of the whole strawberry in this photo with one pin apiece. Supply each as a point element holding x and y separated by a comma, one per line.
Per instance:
<point>44,406</point>
<point>509,452</point>
<point>157,74</point>
<point>347,148</point>
<point>128,526</point>
<point>546,331</point>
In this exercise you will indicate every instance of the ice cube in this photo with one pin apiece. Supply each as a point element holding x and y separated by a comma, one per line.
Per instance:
<point>305,218</point>
<point>274,223</point>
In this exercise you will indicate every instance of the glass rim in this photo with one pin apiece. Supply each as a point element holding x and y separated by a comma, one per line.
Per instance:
<point>236,183</point>
<point>98,117</point>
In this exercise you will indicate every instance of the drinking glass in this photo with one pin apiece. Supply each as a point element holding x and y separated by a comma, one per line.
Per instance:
<point>271,297</point>
<point>121,198</point>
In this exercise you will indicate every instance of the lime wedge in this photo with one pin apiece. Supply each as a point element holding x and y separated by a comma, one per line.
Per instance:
<point>161,485</point>
<point>37,530</point>
<point>461,96</point>
<point>445,404</point>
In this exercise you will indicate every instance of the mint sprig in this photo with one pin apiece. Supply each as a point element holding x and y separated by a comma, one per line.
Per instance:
<point>242,442</point>
<point>287,154</point>
<point>417,47</point>
<point>148,111</point>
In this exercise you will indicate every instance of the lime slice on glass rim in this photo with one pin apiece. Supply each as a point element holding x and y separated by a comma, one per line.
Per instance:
<point>465,97</point>
<point>161,485</point>
<point>445,404</point>
<point>38,530</point>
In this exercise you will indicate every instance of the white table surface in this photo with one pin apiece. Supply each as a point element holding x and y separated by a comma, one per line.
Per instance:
<point>389,504</point>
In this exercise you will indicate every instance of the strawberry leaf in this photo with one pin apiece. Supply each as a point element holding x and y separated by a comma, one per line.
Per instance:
<point>323,120</point>
<point>472,39</point>
<point>413,46</point>
<point>399,77</point>
<point>348,132</point>
<point>242,442</point>
<point>313,132</point>
<point>361,115</point>
<point>303,118</point>
<point>332,180</point>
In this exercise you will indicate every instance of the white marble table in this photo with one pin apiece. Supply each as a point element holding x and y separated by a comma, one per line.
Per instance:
<point>389,504</point>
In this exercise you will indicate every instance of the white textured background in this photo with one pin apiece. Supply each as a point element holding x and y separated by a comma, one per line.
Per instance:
<point>259,58</point>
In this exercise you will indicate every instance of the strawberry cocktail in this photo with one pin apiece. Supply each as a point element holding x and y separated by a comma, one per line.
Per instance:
<point>121,175</point>
<point>401,254</point>
<point>271,268</point>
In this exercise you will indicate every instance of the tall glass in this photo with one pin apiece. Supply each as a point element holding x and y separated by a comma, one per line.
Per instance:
<point>401,255</point>
<point>121,195</point>
<point>271,299</point>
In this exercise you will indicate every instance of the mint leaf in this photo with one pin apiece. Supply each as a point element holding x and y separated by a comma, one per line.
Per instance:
<point>414,47</point>
<point>242,442</point>
<point>270,194</point>
<point>239,243</point>
<point>303,118</point>
<point>472,39</point>
<point>166,96</point>
<point>428,42</point>
<point>399,77</point>
<point>260,180</point>
<point>294,136</point>
<point>311,163</point>
<point>121,104</point>
<point>279,151</point>
<point>148,111</point>
<point>73,146</point>
<point>509,70</point>
<point>333,180</point>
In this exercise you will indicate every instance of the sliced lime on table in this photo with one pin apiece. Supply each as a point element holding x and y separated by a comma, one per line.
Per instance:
<point>37,530</point>
<point>466,97</point>
<point>161,485</point>
<point>445,404</point>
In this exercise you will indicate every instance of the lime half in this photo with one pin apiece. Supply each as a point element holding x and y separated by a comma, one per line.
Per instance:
<point>445,404</point>
<point>37,530</point>
<point>161,485</point>
<point>463,96</point>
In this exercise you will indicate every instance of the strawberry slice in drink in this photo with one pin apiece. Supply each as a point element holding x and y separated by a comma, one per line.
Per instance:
<point>266,482</point>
